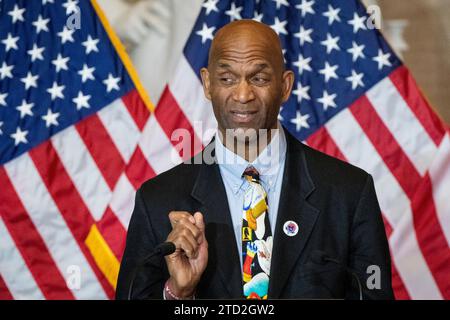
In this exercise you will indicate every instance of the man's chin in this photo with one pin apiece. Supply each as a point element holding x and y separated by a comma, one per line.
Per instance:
<point>244,134</point>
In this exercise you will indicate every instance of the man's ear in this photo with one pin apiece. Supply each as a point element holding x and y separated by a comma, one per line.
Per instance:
<point>287,84</point>
<point>204,73</point>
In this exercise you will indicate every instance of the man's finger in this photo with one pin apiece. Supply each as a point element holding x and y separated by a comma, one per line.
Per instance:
<point>187,224</point>
<point>175,216</point>
<point>187,244</point>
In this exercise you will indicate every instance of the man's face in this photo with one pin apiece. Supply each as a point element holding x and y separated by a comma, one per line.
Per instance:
<point>246,83</point>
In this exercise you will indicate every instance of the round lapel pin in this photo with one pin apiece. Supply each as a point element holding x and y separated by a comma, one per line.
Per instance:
<point>290,228</point>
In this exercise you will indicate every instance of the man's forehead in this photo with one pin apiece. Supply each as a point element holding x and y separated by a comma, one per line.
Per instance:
<point>252,63</point>
<point>251,54</point>
<point>244,44</point>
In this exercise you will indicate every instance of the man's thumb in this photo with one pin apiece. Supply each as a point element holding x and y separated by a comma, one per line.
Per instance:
<point>199,221</point>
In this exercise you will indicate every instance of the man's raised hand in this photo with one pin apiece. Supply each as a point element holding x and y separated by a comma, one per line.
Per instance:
<point>187,263</point>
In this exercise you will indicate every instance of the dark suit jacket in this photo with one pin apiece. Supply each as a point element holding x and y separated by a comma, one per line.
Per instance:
<point>333,203</point>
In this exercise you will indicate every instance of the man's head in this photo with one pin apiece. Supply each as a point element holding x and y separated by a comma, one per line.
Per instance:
<point>246,80</point>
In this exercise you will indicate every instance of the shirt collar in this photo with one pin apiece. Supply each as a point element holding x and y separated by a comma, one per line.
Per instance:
<point>268,163</point>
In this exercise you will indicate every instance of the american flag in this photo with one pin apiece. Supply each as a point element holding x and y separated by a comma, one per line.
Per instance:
<point>67,195</point>
<point>70,120</point>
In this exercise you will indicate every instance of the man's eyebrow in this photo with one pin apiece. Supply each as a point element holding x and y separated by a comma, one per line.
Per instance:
<point>224,65</point>
<point>262,66</point>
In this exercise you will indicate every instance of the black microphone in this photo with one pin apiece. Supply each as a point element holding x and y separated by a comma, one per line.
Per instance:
<point>162,250</point>
<point>321,257</point>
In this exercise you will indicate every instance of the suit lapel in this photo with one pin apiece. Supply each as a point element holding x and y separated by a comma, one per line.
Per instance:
<point>223,254</point>
<point>296,187</point>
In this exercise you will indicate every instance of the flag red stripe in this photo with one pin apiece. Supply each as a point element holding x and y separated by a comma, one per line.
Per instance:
<point>102,149</point>
<point>408,89</point>
<point>113,232</point>
<point>4,291</point>
<point>429,233</point>
<point>137,108</point>
<point>386,145</point>
<point>139,169</point>
<point>32,247</point>
<point>171,117</point>
<point>398,286</point>
<point>69,202</point>
<point>321,140</point>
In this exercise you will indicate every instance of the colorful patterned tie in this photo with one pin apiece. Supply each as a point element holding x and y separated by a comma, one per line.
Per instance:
<point>256,238</point>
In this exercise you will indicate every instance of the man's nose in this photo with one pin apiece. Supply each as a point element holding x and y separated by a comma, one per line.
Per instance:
<point>243,93</point>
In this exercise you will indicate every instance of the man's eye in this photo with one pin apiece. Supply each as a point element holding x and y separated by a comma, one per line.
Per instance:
<point>260,80</point>
<point>226,80</point>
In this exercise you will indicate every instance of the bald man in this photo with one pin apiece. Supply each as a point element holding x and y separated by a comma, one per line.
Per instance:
<point>269,217</point>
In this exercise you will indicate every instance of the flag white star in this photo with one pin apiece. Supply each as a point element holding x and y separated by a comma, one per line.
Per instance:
<point>19,136</point>
<point>111,83</point>
<point>90,44</point>
<point>329,71</point>
<point>86,73</point>
<point>82,101</point>
<point>5,71</point>
<point>303,64</point>
<point>234,13</point>
<point>304,35</point>
<point>356,51</point>
<point>306,7</point>
<point>206,33</point>
<point>281,2</point>
<point>36,53</point>
<point>1,125</point>
<point>210,5</point>
<point>30,80</point>
<point>300,121</point>
<point>71,6</point>
<point>25,109</point>
<point>10,42</point>
<point>66,35</point>
<point>41,24</point>
<point>258,16</point>
<point>279,26</point>
<point>332,14</point>
<point>17,14</point>
<point>61,63</point>
<point>47,1</point>
<point>3,99</point>
<point>327,100</point>
<point>302,92</point>
<point>382,59</point>
<point>358,22</point>
<point>51,119</point>
<point>56,91</point>
<point>356,79</point>
<point>331,43</point>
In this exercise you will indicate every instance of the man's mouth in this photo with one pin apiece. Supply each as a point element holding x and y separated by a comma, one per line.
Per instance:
<point>243,116</point>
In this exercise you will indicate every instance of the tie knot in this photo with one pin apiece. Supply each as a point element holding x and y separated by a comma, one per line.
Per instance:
<point>251,174</point>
